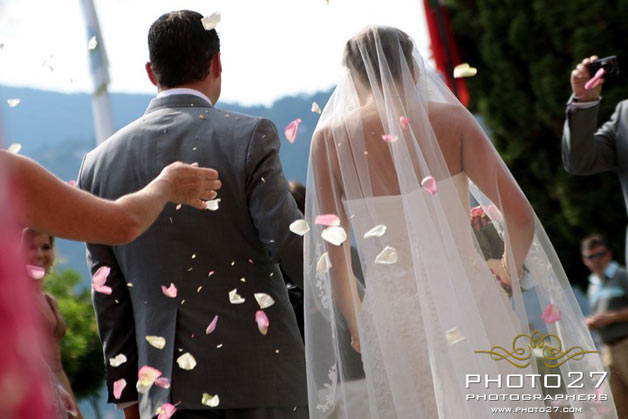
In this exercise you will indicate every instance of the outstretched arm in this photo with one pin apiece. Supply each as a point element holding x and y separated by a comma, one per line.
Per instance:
<point>50,205</point>
<point>486,169</point>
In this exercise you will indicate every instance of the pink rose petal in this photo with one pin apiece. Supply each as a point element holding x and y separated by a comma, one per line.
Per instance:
<point>166,411</point>
<point>100,276</point>
<point>595,80</point>
<point>211,273</point>
<point>171,291</point>
<point>429,184</point>
<point>551,314</point>
<point>147,375</point>
<point>389,138</point>
<point>330,220</point>
<point>404,121</point>
<point>162,382</point>
<point>103,289</point>
<point>212,325</point>
<point>35,272</point>
<point>292,129</point>
<point>118,386</point>
<point>262,322</point>
<point>72,183</point>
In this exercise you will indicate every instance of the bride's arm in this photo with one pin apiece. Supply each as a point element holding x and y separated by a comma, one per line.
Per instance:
<point>325,170</point>
<point>487,170</point>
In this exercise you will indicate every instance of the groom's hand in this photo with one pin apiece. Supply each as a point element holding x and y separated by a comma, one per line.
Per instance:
<point>132,412</point>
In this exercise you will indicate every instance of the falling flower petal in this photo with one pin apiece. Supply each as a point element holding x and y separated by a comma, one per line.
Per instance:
<point>429,184</point>
<point>178,207</point>
<point>13,102</point>
<point>118,386</point>
<point>72,183</point>
<point>262,322</point>
<point>117,360</point>
<point>186,361</point>
<point>165,411</point>
<point>209,400</point>
<point>595,80</point>
<point>316,108</point>
<point>146,378</point>
<point>329,220</point>
<point>334,235</point>
<point>35,272</point>
<point>389,138</point>
<point>210,22</point>
<point>171,291</point>
<point>292,129</point>
<point>210,273</point>
<point>212,205</point>
<point>264,300</point>
<point>162,382</point>
<point>14,148</point>
<point>100,276</point>
<point>299,227</point>
<point>102,289</point>
<point>464,70</point>
<point>156,341</point>
<point>234,297</point>
<point>454,336</point>
<point>324,264</point>
<point>388,256</point>
<point>404,121</point>
<point>92,44</point>
<point>212,325</point>
<point>377,231</point>
<point>551,314</point>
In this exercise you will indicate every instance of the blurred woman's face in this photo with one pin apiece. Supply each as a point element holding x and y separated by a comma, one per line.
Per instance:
<point>39,251</point>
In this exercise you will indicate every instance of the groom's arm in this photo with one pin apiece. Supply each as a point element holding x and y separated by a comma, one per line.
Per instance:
<point>114,314</point>
<point>271,206</point>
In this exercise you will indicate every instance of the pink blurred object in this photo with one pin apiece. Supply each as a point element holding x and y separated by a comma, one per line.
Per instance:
<point>389,138</point>
<point>171,291</point>
<point>99,278</point>
<point>72,183</point>
<point>551,314</point>
<point>596,79</point>
<point>262,322</point>
<point>292,129</point>
<point>166,411</point>
<point>404,121</point>
<point>118,386</point>
<point>429,184</point>
<point>329,220</point>
<point>28,392</point>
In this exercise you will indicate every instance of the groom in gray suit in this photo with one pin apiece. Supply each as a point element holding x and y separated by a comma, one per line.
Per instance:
<point>587,149</point>
<point>199,296</point>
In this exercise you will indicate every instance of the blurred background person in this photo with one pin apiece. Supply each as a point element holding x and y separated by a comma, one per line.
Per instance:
<point>608,298</point>
<point>39,251</point>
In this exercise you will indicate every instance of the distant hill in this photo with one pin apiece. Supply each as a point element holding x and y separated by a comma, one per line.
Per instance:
<point>56,129</point>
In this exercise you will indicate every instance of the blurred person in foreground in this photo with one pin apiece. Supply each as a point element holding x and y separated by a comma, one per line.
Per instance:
<point>608,299</point>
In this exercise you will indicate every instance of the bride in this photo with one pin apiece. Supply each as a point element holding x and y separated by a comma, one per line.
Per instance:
<point>446,327</point>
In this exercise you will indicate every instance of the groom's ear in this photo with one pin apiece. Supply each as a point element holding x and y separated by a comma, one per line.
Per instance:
<point>216,66</point>
<point>151,75</point>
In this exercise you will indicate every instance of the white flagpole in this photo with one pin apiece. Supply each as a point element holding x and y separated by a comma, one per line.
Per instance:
<point>99,66</point>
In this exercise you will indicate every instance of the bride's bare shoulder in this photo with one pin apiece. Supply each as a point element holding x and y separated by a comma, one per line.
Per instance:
<point>445,112</point>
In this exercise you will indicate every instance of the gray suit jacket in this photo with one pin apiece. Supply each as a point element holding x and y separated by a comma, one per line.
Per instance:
<point>588,150</point>
<point>205,254</point>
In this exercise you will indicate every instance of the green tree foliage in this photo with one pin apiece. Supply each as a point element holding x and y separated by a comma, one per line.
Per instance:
<point>524,52</point>
<point>81,349</point>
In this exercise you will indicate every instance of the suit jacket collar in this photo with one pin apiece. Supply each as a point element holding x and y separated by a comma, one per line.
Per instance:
<point>176,101</point>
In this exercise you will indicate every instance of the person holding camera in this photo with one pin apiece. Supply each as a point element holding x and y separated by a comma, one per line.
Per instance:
<point>586,149</point>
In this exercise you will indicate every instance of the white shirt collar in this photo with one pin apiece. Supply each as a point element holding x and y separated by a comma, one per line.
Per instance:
<point>609,272</point>
<point>184,91</point>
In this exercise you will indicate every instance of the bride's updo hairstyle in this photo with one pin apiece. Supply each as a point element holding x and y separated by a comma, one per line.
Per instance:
<point>393,43</point>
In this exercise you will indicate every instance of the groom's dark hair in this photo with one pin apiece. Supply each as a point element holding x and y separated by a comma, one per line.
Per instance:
<point>180,48</point>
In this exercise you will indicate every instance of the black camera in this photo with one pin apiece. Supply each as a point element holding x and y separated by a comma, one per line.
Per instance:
<point>609,64</point>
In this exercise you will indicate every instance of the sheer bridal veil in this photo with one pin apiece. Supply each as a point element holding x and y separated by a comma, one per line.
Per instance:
<point>464,306</point>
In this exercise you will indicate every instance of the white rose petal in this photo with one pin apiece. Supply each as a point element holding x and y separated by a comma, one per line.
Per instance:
<point>264,300</point>
<point>454,336</point>
<point>209,400</point>
<point>388,256</point>
<point>117,360</point>
<point>234,297</point>
<point>212,205</point>
<point>13,102</point>
<point>316,108</point>
<point>299,227</point>
<point>156,341</point>
<point>334,235</point>
<point>92,44</point>
<point>210,22</point>
<point>186,361</point>
<point>324,264</point>
<point>14,148</point>
<point>377,231</point>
